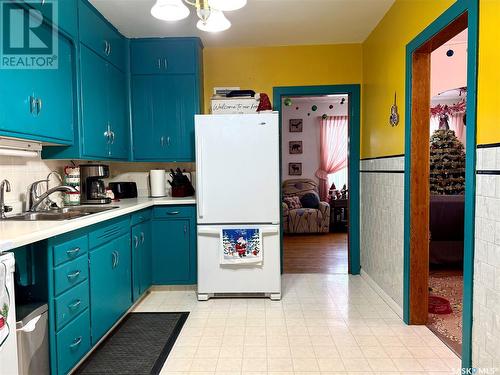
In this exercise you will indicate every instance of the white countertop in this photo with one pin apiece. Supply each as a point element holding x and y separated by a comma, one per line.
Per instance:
<point>19,233</point>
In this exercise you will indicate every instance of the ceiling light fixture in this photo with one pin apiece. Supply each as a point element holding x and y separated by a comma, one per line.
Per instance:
<point>210,12</point>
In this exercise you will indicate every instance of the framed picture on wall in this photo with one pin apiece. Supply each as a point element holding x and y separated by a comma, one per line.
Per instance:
<point>295,147</point>
<point>295,169</point>
<point>295,125</point>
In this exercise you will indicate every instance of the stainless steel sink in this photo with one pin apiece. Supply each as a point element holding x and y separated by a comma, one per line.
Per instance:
<point>66,213</point>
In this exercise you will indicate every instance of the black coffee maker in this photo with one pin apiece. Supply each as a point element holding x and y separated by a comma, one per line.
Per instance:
<point>92,188</point>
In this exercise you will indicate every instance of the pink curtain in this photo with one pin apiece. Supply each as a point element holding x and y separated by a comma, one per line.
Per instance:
<point>333,150</point>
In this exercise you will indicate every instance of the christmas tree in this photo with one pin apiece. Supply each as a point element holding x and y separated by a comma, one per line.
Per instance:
<point>447,162</point>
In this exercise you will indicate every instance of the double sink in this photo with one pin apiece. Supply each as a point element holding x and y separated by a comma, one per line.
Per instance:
<point>65,213</point>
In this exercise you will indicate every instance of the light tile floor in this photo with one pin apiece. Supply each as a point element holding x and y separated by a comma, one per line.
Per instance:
<point>325,324</point>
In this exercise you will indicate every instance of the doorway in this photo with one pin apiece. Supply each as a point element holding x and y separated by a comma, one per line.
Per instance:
<point>460,17</point>
<point>326,244</point>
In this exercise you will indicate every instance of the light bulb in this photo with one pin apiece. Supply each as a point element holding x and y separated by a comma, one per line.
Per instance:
<point>169,10</point>
<point>215,23</point>
<point>227,5</point>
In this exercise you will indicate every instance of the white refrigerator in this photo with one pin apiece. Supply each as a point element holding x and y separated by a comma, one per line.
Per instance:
<point>238,188</point>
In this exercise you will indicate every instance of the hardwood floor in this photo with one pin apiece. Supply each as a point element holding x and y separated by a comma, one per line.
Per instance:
<point>318,253</point>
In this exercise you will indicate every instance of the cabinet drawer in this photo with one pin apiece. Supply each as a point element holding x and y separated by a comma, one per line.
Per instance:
<point>70,250</point>
<point>73,342</point>
<point>70,274</point>
<point>98,35</point>
<point>164,56</point>
<point>139,217</point>
<point>172,212</point>
<point>71,303</point>
<point>109,231</point>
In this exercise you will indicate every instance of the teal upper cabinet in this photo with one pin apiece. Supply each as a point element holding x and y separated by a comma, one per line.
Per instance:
<point>104,120</point>
<point>97,34</point>
<point>166,94</point>
<point>63,13</point>
<point>38,102</point>
<point>163,56</point>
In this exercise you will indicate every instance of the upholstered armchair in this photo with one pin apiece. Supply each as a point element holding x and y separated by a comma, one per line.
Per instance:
<point>304,220</point>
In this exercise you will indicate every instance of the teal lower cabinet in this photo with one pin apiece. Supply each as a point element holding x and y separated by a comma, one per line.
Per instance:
<point>141,258</point>
<point>110,280</point>
<point>90,277</point>
<point>174,245</point>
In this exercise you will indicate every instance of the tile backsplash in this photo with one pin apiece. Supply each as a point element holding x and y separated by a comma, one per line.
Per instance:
<point>21,172</point>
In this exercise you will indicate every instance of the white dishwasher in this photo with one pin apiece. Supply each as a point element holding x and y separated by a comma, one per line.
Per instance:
<point>8,342</point>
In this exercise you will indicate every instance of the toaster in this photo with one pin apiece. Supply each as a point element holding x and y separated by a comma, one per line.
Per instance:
<point>123,190</point>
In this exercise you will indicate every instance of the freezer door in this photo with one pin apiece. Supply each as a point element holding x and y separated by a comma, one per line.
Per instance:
<point>214,277</point>
<point>237,168</point>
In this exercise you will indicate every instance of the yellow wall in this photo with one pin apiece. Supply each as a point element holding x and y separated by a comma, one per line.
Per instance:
<point>262,68</point>
<point>384,72</point>
<point>488,105</point>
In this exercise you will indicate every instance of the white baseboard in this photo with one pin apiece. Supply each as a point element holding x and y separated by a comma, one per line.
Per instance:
<point>392,304</point>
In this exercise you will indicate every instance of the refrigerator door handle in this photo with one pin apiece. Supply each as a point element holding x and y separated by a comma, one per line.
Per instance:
<point>199,161</point>
<point>217,231</point>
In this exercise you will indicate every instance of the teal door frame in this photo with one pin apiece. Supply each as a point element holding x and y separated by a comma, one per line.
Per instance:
<point>353,91</point>
<point>451,14</point>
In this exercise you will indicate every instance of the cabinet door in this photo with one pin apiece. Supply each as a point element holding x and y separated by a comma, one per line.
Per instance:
<point>21,89</point>
<point>110,280</point>
<point>181,116</point>
<point>136,261</point>
<point>163,56</point>
<point>100,36</point>
<point>171,251</point>
<point>117,113</point>
<point>55,95</point>
<point>146,259</point>
<point>145,121</point>
<point>94,78</point>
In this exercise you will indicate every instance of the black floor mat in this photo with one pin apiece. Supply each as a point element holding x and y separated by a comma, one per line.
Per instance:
<point>139,345</point>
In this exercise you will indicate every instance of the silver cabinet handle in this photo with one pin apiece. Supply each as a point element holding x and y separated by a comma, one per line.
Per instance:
<point>112,137</point>
<point>75,304</point>
<point>165,64</point>
<point>109,48</point>
<point>106,47</point>
<point>168,141</point>
<point>185,228</point>
<point>113,259</point>
<point>162,141</point>
<point>74,275</point>
<point>33,104</point>
<point>173,213</point>
<point>159,64</point>
<point>142,238</point>
<point>107,133</point>
<point>42,2</point>
<point>73,252</point>
<point>38,105</point>
<point>77,341</point>
<point>136,241</point>
<point>117,258</point>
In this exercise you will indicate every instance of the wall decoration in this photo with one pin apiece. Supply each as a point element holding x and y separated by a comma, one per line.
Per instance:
<point>295,169</point>
<point>330,106</point>
<point>309,114</point>
<point>295,125</point>
<point>394,116</point>
<point>325,116</point>
<point>295,147</point>
<point>287,102</point>
<point>314,108</point>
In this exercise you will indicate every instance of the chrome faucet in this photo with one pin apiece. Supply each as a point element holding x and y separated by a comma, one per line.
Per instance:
<point>50,202</point>
<point>4,187</point>
<point>41,199</point>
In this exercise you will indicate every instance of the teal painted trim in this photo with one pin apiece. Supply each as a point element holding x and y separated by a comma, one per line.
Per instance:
<point>457,9</point>
<point>354,92</point>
